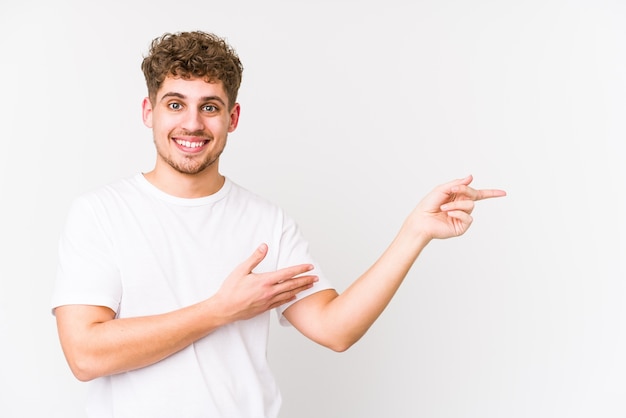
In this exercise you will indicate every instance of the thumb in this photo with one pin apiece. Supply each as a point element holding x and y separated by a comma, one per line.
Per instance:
<point>255,259</point>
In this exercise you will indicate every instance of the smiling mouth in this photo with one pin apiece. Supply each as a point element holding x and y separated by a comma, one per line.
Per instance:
<point>191,144</point>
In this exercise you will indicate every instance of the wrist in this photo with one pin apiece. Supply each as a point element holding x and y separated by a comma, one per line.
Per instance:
<point>215,312</point>
<point>414,236</point>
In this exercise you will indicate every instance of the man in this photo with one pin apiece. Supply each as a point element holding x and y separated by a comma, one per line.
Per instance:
<point>166,279</point>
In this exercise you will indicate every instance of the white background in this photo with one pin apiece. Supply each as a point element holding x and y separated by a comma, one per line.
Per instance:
<point>351,111</point>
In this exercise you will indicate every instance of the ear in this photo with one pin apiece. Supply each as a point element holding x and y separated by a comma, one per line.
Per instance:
<point>234,117</point>
<point>146,112</point>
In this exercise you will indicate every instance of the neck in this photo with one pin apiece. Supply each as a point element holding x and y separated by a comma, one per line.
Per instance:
<point>188,186</point>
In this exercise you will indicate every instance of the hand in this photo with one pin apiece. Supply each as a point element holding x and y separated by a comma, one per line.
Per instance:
<point>244,294</point>
<point>446,211</point>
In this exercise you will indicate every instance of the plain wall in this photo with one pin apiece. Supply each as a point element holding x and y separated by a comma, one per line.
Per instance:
<point>351,112</point>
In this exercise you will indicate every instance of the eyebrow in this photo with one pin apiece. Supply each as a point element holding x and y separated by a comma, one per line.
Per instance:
<point>202,99</point>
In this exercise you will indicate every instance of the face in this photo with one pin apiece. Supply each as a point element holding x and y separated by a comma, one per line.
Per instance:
<point>190,122</point>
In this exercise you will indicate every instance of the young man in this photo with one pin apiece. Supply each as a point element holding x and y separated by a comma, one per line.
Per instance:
<point>166,279</point>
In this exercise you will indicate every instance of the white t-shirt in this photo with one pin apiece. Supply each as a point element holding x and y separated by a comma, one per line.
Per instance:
<point>139,251</point>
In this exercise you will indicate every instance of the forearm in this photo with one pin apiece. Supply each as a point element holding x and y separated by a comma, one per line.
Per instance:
<point>353,312</point>
<point>108,346</point>
<point>343,319</point>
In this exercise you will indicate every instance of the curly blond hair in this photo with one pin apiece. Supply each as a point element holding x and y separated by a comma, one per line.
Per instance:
<point>189,55</point>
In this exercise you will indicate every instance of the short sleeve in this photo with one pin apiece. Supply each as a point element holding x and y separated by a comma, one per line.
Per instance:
<point>294,249</point>
<point>87,273</point>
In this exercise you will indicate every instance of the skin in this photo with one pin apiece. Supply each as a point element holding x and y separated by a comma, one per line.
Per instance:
<point>194,112</point>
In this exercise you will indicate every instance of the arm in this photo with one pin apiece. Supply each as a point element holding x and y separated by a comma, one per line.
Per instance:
<point>96,344</point>
<point>338,321</point>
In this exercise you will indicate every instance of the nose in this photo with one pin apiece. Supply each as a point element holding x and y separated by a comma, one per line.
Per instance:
<point>193,120</point>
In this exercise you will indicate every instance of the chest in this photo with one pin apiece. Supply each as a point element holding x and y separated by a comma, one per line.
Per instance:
<point>173,257</point>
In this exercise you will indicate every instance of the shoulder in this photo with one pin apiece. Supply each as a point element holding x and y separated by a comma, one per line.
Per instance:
<point>100,199</point>
<point>242,194</point>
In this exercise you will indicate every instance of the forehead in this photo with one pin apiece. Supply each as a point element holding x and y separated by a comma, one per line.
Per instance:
<point>193,89</point>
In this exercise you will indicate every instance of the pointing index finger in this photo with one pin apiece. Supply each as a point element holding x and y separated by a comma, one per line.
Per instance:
<point>489,193</point>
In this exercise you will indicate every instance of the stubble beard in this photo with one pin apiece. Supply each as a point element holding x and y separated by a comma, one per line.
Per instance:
<point>190,165</point>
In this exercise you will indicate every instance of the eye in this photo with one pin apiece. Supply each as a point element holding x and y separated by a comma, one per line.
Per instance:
<point>209,108</point>
<point>175,106</point>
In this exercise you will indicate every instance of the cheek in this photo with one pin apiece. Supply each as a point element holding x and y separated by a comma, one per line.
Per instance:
<point>160,129</point>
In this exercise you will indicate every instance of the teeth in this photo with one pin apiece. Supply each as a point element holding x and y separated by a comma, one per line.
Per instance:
<point>189,144</point>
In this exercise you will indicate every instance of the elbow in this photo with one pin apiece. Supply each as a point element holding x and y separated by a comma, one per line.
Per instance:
<point>340,345</point>
<point>83,368</point>
<point>340,338</point>
<point>340,348</point>
<point>83,377</point>
<point>82,372</point>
